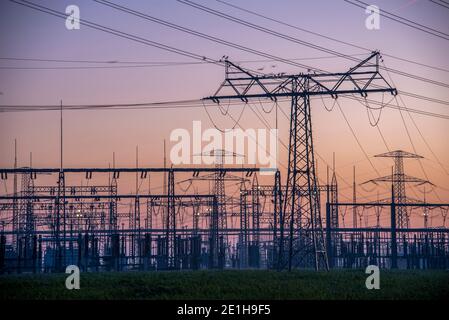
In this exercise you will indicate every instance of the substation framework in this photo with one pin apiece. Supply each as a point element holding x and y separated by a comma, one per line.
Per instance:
<point>99,229</point>
<point>276,226</point>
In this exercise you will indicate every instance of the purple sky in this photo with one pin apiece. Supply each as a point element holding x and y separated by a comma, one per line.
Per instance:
<point>92,136</point>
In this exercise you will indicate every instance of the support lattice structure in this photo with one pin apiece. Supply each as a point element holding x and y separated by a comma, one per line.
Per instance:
<point>171,223</point>
<point>26,223</point>
<point>219,222</point>
<point>243,235</point>
<point>303,210</point>
<point>398,180</point>
<point>86,239</point>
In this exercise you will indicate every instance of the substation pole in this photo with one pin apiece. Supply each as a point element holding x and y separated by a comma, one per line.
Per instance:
<point>60,206</point>
<point>278,218</point>
<point>255,206</point>
<point>243,235</point>
<point>171,245</point>
<point>394,247</point>
<point>15,211</point>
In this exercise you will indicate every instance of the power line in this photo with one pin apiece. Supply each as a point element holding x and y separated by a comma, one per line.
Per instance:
<point>328,37</point>
<point>411,141</point>
<point>299,41</point>
<point>264,121</point>
<point>420,97</point>
<point>100,67</point>
<point>183,52</point>
<point>377,123</point>
<point>202,35</point>
<point>118,33</point>
<point>401,20</point>
<point>115,64</point>
<point>328,165</point>
<point>236,122</point>
<point>87,106</point>
<point>160,104</point>
<point>75,61</point>
<point>134,64</point>
<point>88,22</point>
<point>158,62</point>
<point>419,131</point>
<point>356,138</point>
<point>253,26</point>
<point>144,40</point>
<point>181,104</point>
<point>441,3</point>
<point>414,149</point>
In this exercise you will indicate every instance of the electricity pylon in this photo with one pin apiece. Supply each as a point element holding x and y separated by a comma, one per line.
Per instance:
<point>302,208</point>
<point>218,222</point>
<point>399,179</point>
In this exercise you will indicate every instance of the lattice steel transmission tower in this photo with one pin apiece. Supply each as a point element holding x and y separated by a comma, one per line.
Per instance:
<point>399,180</point>
<point>218,238</point>
<point>301,204</point>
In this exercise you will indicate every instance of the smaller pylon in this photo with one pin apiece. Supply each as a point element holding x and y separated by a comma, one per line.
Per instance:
<point>399,179</point>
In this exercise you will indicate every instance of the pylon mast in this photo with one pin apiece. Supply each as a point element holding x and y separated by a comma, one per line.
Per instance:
<point>399,179</point>
<point>303,209</point>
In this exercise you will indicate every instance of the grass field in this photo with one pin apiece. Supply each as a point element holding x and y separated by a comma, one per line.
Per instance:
<point>247,284</point>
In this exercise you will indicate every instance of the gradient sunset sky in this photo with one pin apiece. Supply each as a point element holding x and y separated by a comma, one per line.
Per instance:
<point>91,136</point>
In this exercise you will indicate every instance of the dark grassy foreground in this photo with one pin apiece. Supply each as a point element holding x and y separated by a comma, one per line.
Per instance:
<point>249,284</point>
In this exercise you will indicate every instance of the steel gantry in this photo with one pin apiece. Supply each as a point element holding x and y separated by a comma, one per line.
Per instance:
<point>60,193</point>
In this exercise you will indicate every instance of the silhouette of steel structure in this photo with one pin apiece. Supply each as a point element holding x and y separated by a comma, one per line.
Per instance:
<point>391,247</point>
<point>62,214</point>
<point>95,229</point>
<point>399,179</point>
<point>276,225</point>
<point>303,209</point>
<point>218,177</point>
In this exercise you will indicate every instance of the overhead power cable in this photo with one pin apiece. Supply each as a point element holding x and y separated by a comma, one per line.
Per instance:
<point>202,35</point>
<point>441,3</point>
<point>328,37</point>
<point>120,64</point>
<point>186,53</point>
<point>404,21</point>
<point>298,41</point>
<point>118,33</point>
<point>185,104</point>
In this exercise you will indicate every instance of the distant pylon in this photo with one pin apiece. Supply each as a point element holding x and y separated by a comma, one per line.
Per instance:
<point>219,177</point>
<point>399,179</point>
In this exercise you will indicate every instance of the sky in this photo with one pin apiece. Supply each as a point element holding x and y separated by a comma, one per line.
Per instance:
<point>92,136</point>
